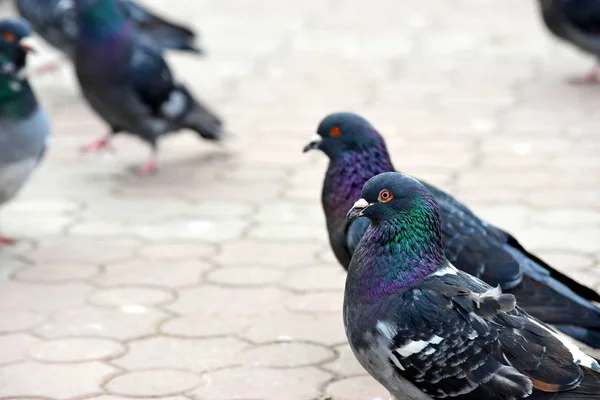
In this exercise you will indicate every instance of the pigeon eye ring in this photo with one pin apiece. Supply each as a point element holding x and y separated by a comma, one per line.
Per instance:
<point>385,196</point>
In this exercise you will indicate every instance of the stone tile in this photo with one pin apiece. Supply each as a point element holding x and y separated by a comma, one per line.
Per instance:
<point>317,278</point>
<point>284,326</point>
<point>177,251</point>
<point>124,324</point>
<point>245,276</point>
<point>13,321</point>
<point>110,397</point>
<point>239,301</point>
<point>179,353</point>
<point>43,298</point>
<point>283,254</point>
<point>72,350</point>
<point>152,383</point>
<point>87,250</point>
<point>262,383</point>
<point>345,364</point>
<point>167,274</point>
<point>315,303</point>
<point>357,388</point>
<point>286,354</point>
<point>56,273</point>
<point>130,296</point>
<point>15,346</point>
<point>269,231</point>
<point>204,325</point>
<point>15,379</point>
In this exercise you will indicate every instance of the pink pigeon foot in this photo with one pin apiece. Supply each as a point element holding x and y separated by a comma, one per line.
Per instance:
<point>150,167</point>
<point>47,68</point>
<point>6,240</point>
<point>593,76</point>
<point>102,143</point>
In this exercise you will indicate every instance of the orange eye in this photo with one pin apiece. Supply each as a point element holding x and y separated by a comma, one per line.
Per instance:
<point>335,131</point>
<point>8,36</point>
<point>385,196</point>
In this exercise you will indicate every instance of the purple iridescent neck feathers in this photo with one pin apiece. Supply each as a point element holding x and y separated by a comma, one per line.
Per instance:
<point>347,173</point>
<point>398,253</point>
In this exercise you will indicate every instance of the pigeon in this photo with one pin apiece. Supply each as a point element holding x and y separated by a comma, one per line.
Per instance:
<point>426,330</point>
<point>24,126</point>
<point>357,152</point>
<point>129,84</point>
<point>578,22</point>
<point>56,22</point>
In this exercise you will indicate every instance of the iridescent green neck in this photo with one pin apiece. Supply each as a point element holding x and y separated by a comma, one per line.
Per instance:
<point>100,19</point>
<point>397,253</point>
<point>16,98</point>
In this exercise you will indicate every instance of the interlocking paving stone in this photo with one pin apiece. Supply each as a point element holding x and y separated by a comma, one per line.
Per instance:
<point>218,268</point>
<point>159,382</point>
<point>73,349</point>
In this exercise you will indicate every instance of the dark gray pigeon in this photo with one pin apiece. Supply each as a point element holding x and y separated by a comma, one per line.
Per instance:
<point>55,21</point>
<point>577,22</point>
<point>129,84</point>
<point>426,330</point>
<point>357,152</point>
<point>24,127</point>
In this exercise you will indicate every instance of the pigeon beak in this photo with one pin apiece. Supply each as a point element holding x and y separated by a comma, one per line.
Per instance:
<point>315,142</point>
<point>27,45</point>
<point>358,209</point>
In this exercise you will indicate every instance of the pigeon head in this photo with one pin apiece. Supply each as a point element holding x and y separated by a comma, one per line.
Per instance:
<point>396,198</point>
<point>15,43</point>
<point>403,244</point>
<point>344,132</point>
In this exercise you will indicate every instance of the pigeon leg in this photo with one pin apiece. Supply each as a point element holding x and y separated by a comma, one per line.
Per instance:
<point>593,76</point>
<point>6,240</point>
<point>49,67</point>
<point>151,166</point>
<point>102,143</point>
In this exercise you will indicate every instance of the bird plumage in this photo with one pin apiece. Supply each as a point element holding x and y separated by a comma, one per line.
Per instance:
<point>24,126</point>
<point>55,21</point>
<point>423,328</point>
<point>127,81</point>
<point>470,243</point>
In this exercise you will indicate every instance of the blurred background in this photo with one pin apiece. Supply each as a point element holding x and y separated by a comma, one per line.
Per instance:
<point>213,279</point>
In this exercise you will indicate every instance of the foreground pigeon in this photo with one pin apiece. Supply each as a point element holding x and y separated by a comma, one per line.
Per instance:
<point>24,128</point>
<point>55,21</point>
<point>357,152</point>
<point>578,22</point>
<point>129,84</point>
<point>425,330</point>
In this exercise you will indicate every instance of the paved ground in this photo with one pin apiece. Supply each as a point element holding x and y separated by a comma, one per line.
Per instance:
<point>213,280</point>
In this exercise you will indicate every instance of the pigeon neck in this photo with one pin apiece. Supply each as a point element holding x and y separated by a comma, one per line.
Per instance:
<point>346,175</point>
<point>16,98</point>
<point>397,254</point>
<point>101,19</point>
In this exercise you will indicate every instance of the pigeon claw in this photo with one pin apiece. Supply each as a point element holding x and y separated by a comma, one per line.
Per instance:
<point>150,167</point>
<point>102,143</point>
<point>593,76</point>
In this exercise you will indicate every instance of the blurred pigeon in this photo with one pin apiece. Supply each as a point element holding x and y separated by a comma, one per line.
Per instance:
<point>426,330</point>
<point>578,22</point>
<point>129,84</point>
<point>56,22</point>
<point>357,152</point>
<point>24,127</point>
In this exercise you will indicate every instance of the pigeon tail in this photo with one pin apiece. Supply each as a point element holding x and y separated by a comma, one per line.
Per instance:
<point>200,119</point>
